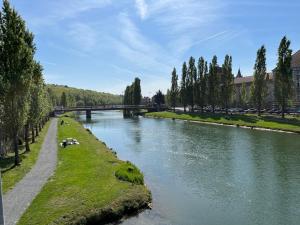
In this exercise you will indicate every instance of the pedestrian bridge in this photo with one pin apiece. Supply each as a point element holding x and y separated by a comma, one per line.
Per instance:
<point>90,109</point>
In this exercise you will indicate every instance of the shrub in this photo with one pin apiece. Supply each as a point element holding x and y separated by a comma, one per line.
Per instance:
<point>129,172</point>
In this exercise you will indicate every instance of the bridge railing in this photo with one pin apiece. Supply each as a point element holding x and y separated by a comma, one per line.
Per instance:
<point>99,107</point>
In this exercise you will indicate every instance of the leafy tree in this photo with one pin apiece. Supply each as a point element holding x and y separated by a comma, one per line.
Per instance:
<point>64,99</point>
<point>226,82</point>
<point>16,65</point>
<point>183,87</point>
<point>174,89</point>
<point>259,85</point>
<point>213,83</point>
<point>159,98</point>
<point>283,75</point>
<point>35,104</point>
<point>201,81</point>
<point>137,95</point>
<point>192,83</point>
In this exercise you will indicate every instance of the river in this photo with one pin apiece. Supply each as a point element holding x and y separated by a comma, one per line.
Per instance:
<point>206,174</point>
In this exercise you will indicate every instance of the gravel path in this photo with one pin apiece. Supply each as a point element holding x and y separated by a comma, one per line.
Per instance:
<point>18,199</point>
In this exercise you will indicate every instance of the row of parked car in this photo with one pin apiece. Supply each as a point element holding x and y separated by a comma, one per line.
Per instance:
<point>252,110</point>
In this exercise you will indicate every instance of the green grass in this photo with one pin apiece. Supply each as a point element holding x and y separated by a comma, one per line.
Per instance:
<point>129,172</point>
<point>84,188</point>
<point>269,122</point>
<point>11,174</point>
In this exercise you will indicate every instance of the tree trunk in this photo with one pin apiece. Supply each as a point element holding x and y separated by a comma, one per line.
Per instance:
<point>40,127</point>
<point>282,111</point>
<point>16,149</point>
<point>36,130</point>
<point>27,138</point>
<point>32,134</point>
<point>184,108</point>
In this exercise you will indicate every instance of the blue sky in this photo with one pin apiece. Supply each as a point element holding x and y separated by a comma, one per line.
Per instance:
<point>103,44</point>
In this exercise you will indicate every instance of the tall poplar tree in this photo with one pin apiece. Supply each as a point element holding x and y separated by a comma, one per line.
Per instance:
<point>259,86</point>
<point>226,82</point>
<point>283,75</point>
<point>183,86</point>
<point>16,54</point>
<point>202,73</point>
<point>174,89</point>
<point>137,95</point>
<point>191,83</point>
<point>213,84</point>
<point>36,104</point>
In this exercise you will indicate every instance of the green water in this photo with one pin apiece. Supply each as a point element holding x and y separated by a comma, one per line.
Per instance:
<point>206,174</point>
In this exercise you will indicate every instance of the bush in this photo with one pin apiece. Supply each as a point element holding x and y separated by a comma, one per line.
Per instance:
<point>129,172</point>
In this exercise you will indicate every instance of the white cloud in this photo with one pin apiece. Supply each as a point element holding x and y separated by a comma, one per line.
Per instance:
<point>83,36</point>
<point>60,10</point>
<point>142,8</point>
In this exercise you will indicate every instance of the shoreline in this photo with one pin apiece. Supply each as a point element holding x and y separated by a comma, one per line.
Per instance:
<point>90,191</point>
<point>225,124</point>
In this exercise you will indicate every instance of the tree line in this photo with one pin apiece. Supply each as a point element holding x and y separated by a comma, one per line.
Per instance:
<point>24,100</point>
<point>62,95</point>
<point>211,85</point>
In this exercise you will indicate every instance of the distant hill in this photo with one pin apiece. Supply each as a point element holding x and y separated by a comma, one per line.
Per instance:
<point>81,97</point>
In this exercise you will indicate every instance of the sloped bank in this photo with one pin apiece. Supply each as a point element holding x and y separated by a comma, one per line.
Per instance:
<point>266,123</point>
<point>84,189</point>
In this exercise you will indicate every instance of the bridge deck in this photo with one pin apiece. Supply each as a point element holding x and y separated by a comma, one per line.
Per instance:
<point>107,107</point>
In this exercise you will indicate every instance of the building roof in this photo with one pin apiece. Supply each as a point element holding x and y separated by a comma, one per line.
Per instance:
<point>296,59</point>
<point>249,79</point>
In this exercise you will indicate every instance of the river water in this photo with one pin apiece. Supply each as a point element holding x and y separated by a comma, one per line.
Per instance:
<point>206,174</point>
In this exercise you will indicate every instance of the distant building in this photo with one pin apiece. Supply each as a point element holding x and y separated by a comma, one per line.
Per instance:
<point>270,99</point>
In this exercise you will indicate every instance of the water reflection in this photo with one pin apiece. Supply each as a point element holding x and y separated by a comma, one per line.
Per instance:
<point>203,174</point>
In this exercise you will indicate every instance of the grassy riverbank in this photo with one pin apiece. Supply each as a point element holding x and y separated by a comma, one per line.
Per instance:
<point>11,174</point>
<point>267,122</point>
<point>84,188</point>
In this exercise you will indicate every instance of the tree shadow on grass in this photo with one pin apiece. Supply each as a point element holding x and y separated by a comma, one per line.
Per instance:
<point>292,121</point>
<point>8,163</point>
<point>220,116</point>
<point>242,118</point>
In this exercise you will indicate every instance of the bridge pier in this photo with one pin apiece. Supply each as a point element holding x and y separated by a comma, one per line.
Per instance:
<point>88,114</point>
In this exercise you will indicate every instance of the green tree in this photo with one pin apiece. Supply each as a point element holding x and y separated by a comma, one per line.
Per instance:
<point>191,83</point>
<point>226,82</point>
<point>201,81</point>
<point>183,86</point>
<point>283,75</point>
<point>174,89</point>
<point>159,99</point>
<point>137,96</point>
<point>35,105</point>
<point>213,83</point>
<point>64,99</point>
<point>16,65</point>
<point>259,86</point>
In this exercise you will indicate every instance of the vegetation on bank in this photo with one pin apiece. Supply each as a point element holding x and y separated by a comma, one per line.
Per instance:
<point>69,96</point>
<point>268,122</point>
<point>12,174</point>
<point>208,84</point>
<point>129,172</point>
<point>24,101</point>
<point>84,188</point>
